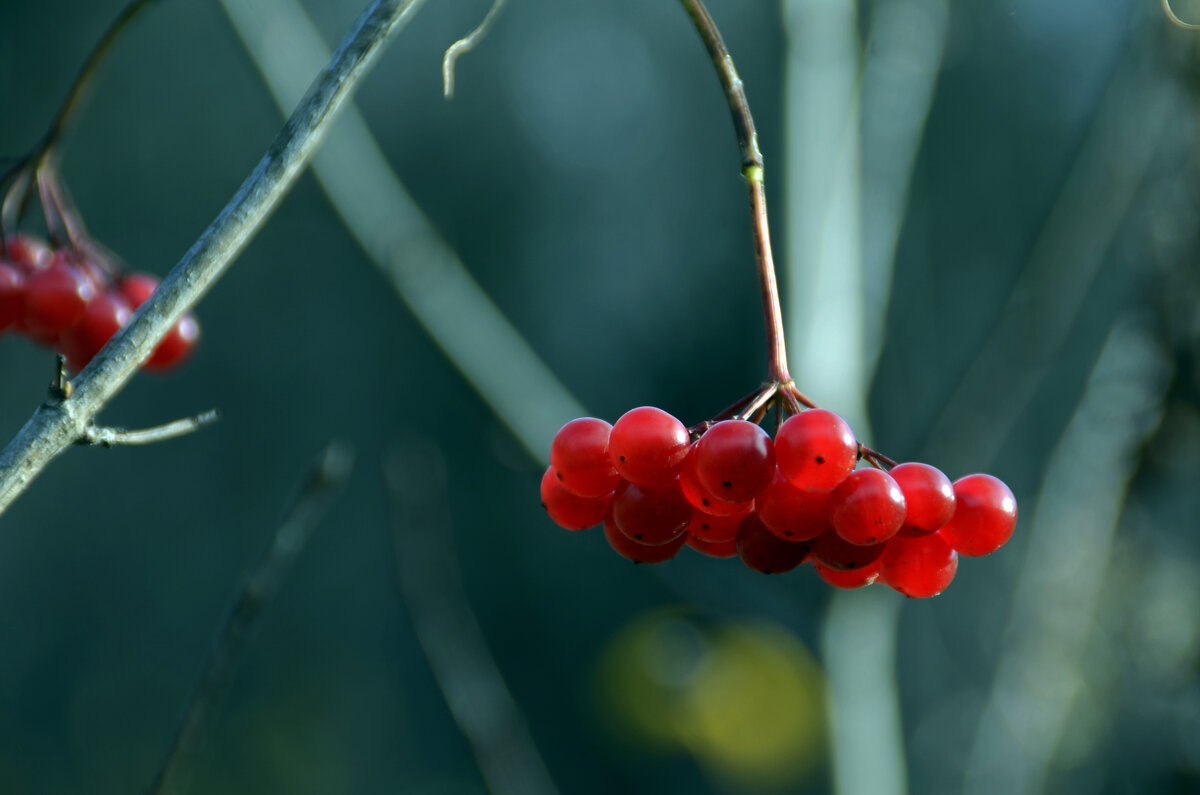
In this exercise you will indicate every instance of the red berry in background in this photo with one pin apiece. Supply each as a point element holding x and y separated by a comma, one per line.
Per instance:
<point>918,567</point>
<point>714,549</point>
<point>867,507</point>
<point>815,449</point>
<point>626,547</point>
<point>569,510</point>
<point>855,578</point>
<point>838,553</point>
<point>792,514</point>
<point>176,346</point>
<point>650,516</point>
<point>138,287</point>
<point>985,514</point>
<point>735,460</point>
<point>700,497</point>
<point>27,253</point>
<point>762,550</point>
<point>648,446</point>
<point>714,528</point>
<point>55,297</point>
<point>928,495</point>
<point>12,295</point>
<point>104,317</point>
<point>579,458</point>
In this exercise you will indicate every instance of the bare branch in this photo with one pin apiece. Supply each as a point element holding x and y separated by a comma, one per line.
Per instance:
<point>316,493</point>
<point>465,45</point>
<point>112,437</point>
<point>56,426</point>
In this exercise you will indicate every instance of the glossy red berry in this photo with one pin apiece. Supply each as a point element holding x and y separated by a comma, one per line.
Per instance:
<point>867,507</point>
<point>570,510</point>
<point>579,458</point>
<point>985,514</point>
<point>700,498</point>
<point>838,553</point>
<point>714,528</point>
<point>735,460</point>
<point>650,516</point>
<point>762,550</point>
<point>27,253</point>
<point>627,548</point>
<point>918,567</point>
<point>854,578</point>
<point>12,294</point>
<point>55,297</point>
<point>714,549</point>
<point>648,446</point>
<point>815,449</point>
<point>176,346</point>
<point>928,495</point>
<point>138,287</point>
<point>792,514</point>
<point>104,317</point>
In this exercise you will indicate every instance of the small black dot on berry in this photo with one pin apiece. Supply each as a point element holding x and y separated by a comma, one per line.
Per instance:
<point>705,500</point>
<point>820,459</point>
<point>558,475</point>
<point>727,484</point>
<point>787,533</point>
<point>621,457</point>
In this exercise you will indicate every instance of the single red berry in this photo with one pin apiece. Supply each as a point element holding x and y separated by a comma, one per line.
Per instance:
<point>27,253</point>
<point>855,578</point>
<point>735,460</point>
<point>579,458</point>
<point>867,507</point>
<point>176,346</point>
<point>928,495</point>
<point>985,514</point>
<point>648,446</point>
<point>570,510</point>
<point>104,317</point>
<point>792,514</point>
<point>918,567</point>
<point>12,294</point>
<point>714,528</point>
<point>650,516</point>
<point>838,553</point>
<point>627,548</point>
<point>714,549</point>
<point>816,449</point>
<point>55,297</point>
<point>138,287</point>
<point>701,498</point>
<point>762,550</point>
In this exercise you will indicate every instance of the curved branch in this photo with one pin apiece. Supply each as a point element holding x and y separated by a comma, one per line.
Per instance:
<point>57,424</point>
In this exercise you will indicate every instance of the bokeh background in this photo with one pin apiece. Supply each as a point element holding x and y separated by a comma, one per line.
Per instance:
<point>985,219</point>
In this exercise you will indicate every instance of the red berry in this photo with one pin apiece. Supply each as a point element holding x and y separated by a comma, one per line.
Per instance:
<point>838,553</point>
<point>650,516</point>
<point>569,510</point>
<point>918,567</point>
<point>715,528</point>
<point>815,449</point>
<point>104,317</point>
<point>714,549</point>
<point>700,497</point>
<point>855,578</point>
<point>626,547</point>
<point>735,460</point>
<point>791,513</point>
<point>648,446</point>
<point>27,253</point>
<point>867,507</point>
<point>12,294</point>
<point>762,550</point>
<point>138,287</point>
<point>175,347</point>
<point>579,458</point>
<point>985,514</point>
<point>928,495</point>
<point>55,297</point>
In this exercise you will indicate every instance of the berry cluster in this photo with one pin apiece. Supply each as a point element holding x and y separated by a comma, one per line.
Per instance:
<point>726,489</point>
<point>69,302</point>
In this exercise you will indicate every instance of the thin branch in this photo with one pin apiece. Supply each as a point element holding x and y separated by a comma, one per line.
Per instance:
<point>448,631</point>
<point>113,437</point>
<point>1175,20</point>
<point>55,426</point>
<point>465,45</point>
<point>313,499</point>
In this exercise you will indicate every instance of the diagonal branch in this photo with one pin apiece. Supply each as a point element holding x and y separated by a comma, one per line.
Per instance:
<point>57,424</point>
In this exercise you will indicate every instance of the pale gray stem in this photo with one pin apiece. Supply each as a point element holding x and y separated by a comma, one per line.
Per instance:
<point>57,424</point>
<point>465,45</point>
<point>113,437</point>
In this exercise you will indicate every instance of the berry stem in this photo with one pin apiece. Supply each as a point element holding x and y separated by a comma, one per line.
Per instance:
<point>752,172</point>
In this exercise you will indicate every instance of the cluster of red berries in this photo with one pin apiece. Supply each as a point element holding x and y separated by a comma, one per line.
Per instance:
<point>64,300</point>
<point>776,505</point>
